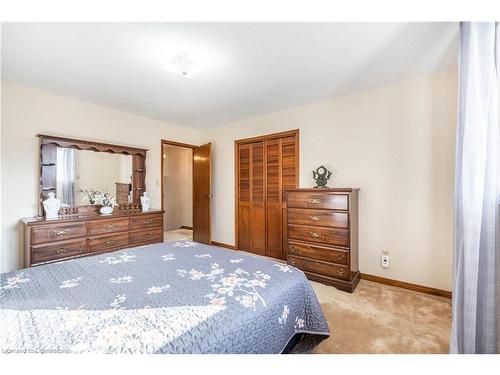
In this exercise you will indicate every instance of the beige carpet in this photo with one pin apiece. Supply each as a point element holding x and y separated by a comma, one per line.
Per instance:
<point>178,235</point>
<point>378,318</point>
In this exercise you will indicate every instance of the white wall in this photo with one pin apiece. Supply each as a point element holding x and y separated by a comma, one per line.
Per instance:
<point>396,143</point>
<point>27,112</point>
<point>178,186</point>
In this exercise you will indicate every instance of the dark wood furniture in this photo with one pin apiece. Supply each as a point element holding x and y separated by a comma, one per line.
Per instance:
<point>48,167</point>
<point>265,166</point>
<point>122,191</point>
<point>321,234</point>
<point>47,241</point>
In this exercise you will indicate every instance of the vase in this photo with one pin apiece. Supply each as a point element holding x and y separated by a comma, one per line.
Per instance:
<point>106,210</point>
<point>51,206</point>
<point>145,202</point>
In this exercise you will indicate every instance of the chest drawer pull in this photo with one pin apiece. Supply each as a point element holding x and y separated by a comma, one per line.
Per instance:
<point>340,272</point>
<point>109,242</point>
<point>315,235</point>
<point>315,200</point>
<point>60,232</point>
<point>148,221</point>
<point>315,218</point>
<point>61,250</point>
<point>110,226</point>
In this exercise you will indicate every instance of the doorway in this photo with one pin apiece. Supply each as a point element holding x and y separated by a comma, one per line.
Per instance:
<point>186,191</point>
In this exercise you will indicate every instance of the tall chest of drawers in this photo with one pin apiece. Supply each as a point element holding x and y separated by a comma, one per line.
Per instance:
<point>321,235</point>
<point>47,241</point>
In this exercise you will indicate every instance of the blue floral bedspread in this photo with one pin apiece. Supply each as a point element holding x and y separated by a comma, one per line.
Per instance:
<point>177,297</point>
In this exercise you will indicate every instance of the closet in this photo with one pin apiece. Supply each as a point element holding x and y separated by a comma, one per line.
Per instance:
<point>265,166</point>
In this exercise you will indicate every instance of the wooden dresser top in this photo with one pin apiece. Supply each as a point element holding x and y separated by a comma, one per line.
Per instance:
<point>40,220</point>
<point>328,190</point>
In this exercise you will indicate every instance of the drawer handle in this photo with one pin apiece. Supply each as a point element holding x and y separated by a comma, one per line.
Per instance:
<point>110,226</point>
<point>315,218</point>
<point>148,221</point>
<point>315,235</point>
<point>60,232</point>
<point>340,272</point>
<point>293,248</point>
<point>148,235</point>
<point>61,250</point>
<point>315,200</point>
<point>293,262</point>
<point>109,242</point>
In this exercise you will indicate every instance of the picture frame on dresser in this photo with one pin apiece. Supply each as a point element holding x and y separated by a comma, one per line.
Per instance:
<point>321,234</point>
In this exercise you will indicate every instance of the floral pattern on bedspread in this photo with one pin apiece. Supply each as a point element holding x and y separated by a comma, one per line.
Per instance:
<point>178,297</point>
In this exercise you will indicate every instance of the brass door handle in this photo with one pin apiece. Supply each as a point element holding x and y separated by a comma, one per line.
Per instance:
<point>109,242</point>
<point>110,226</point>
<point>60,232</point>
<point>315,218</point>
<point>315,200</point>
<point>315,235</point>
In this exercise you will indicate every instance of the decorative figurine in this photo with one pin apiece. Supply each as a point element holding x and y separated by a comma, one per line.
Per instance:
<point>145,202</point>
<point>51,206</point>
<point>321,176</point>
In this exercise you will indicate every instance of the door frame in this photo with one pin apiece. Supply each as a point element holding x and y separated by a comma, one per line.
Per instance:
<point>178,144</point>
<point>288,133</point>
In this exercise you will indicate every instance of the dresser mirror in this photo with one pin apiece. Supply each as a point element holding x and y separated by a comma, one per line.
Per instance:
<point>78,172</point>
<point>71,168</point>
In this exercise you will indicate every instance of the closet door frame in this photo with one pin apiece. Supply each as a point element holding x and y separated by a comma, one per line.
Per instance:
<point>289,133</point>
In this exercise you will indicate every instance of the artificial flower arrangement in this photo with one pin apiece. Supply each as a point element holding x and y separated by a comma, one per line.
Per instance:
<point>100,198</point>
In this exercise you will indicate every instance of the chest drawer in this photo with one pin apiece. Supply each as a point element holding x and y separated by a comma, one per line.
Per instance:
<point>58,232</point>
<point>318,217</point>
<point>40,254</point>
<point>321,268</point>
<point>108,242</point>
<point>326,254</point>
<point>146,235</point>
<point>327,236</point>
<point>146,221</point>
<point>318,200</point>
<point>107,226</point>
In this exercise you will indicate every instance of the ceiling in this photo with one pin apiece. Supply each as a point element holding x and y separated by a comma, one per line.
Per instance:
<point>249,69</point>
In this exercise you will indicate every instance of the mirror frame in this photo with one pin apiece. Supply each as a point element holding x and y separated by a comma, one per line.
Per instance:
<point>48,167</point>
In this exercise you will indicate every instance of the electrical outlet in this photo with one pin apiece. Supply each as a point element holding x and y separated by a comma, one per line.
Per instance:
<point>385,260</point>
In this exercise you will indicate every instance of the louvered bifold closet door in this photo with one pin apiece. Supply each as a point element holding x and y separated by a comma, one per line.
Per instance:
<point>274,197</point>
<point>244,203</point>
<point>258,202</point>
<point>266,167</point>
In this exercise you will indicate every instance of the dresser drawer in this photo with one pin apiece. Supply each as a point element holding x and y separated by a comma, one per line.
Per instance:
<point>108,242</point>
<point>326,254</point>
<point>327,236</point>
<point>40,254</point>
<point>107,226</point>
<point>57,232</point>
<point>321,268</point>
<point>325,218</point>
<point>146,235</point>
<point>146,221</point>
<point>318,200</point>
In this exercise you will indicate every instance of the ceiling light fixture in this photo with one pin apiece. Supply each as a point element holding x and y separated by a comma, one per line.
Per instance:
<point>183,65</point>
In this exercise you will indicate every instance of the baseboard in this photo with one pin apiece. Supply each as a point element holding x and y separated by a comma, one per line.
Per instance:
<point>405,285</point>
<point>220,244</point>
<point>186,227</point>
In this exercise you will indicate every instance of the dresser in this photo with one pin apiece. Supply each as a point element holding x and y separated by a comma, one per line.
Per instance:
<point>321,234</point>
<point>70,236</point>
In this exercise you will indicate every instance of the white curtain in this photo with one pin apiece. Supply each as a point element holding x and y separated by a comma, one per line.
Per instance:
<point>66,175</point>
<point>477,189</point>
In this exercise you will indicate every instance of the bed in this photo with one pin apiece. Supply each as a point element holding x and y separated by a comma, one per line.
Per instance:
<point>176,297</point>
